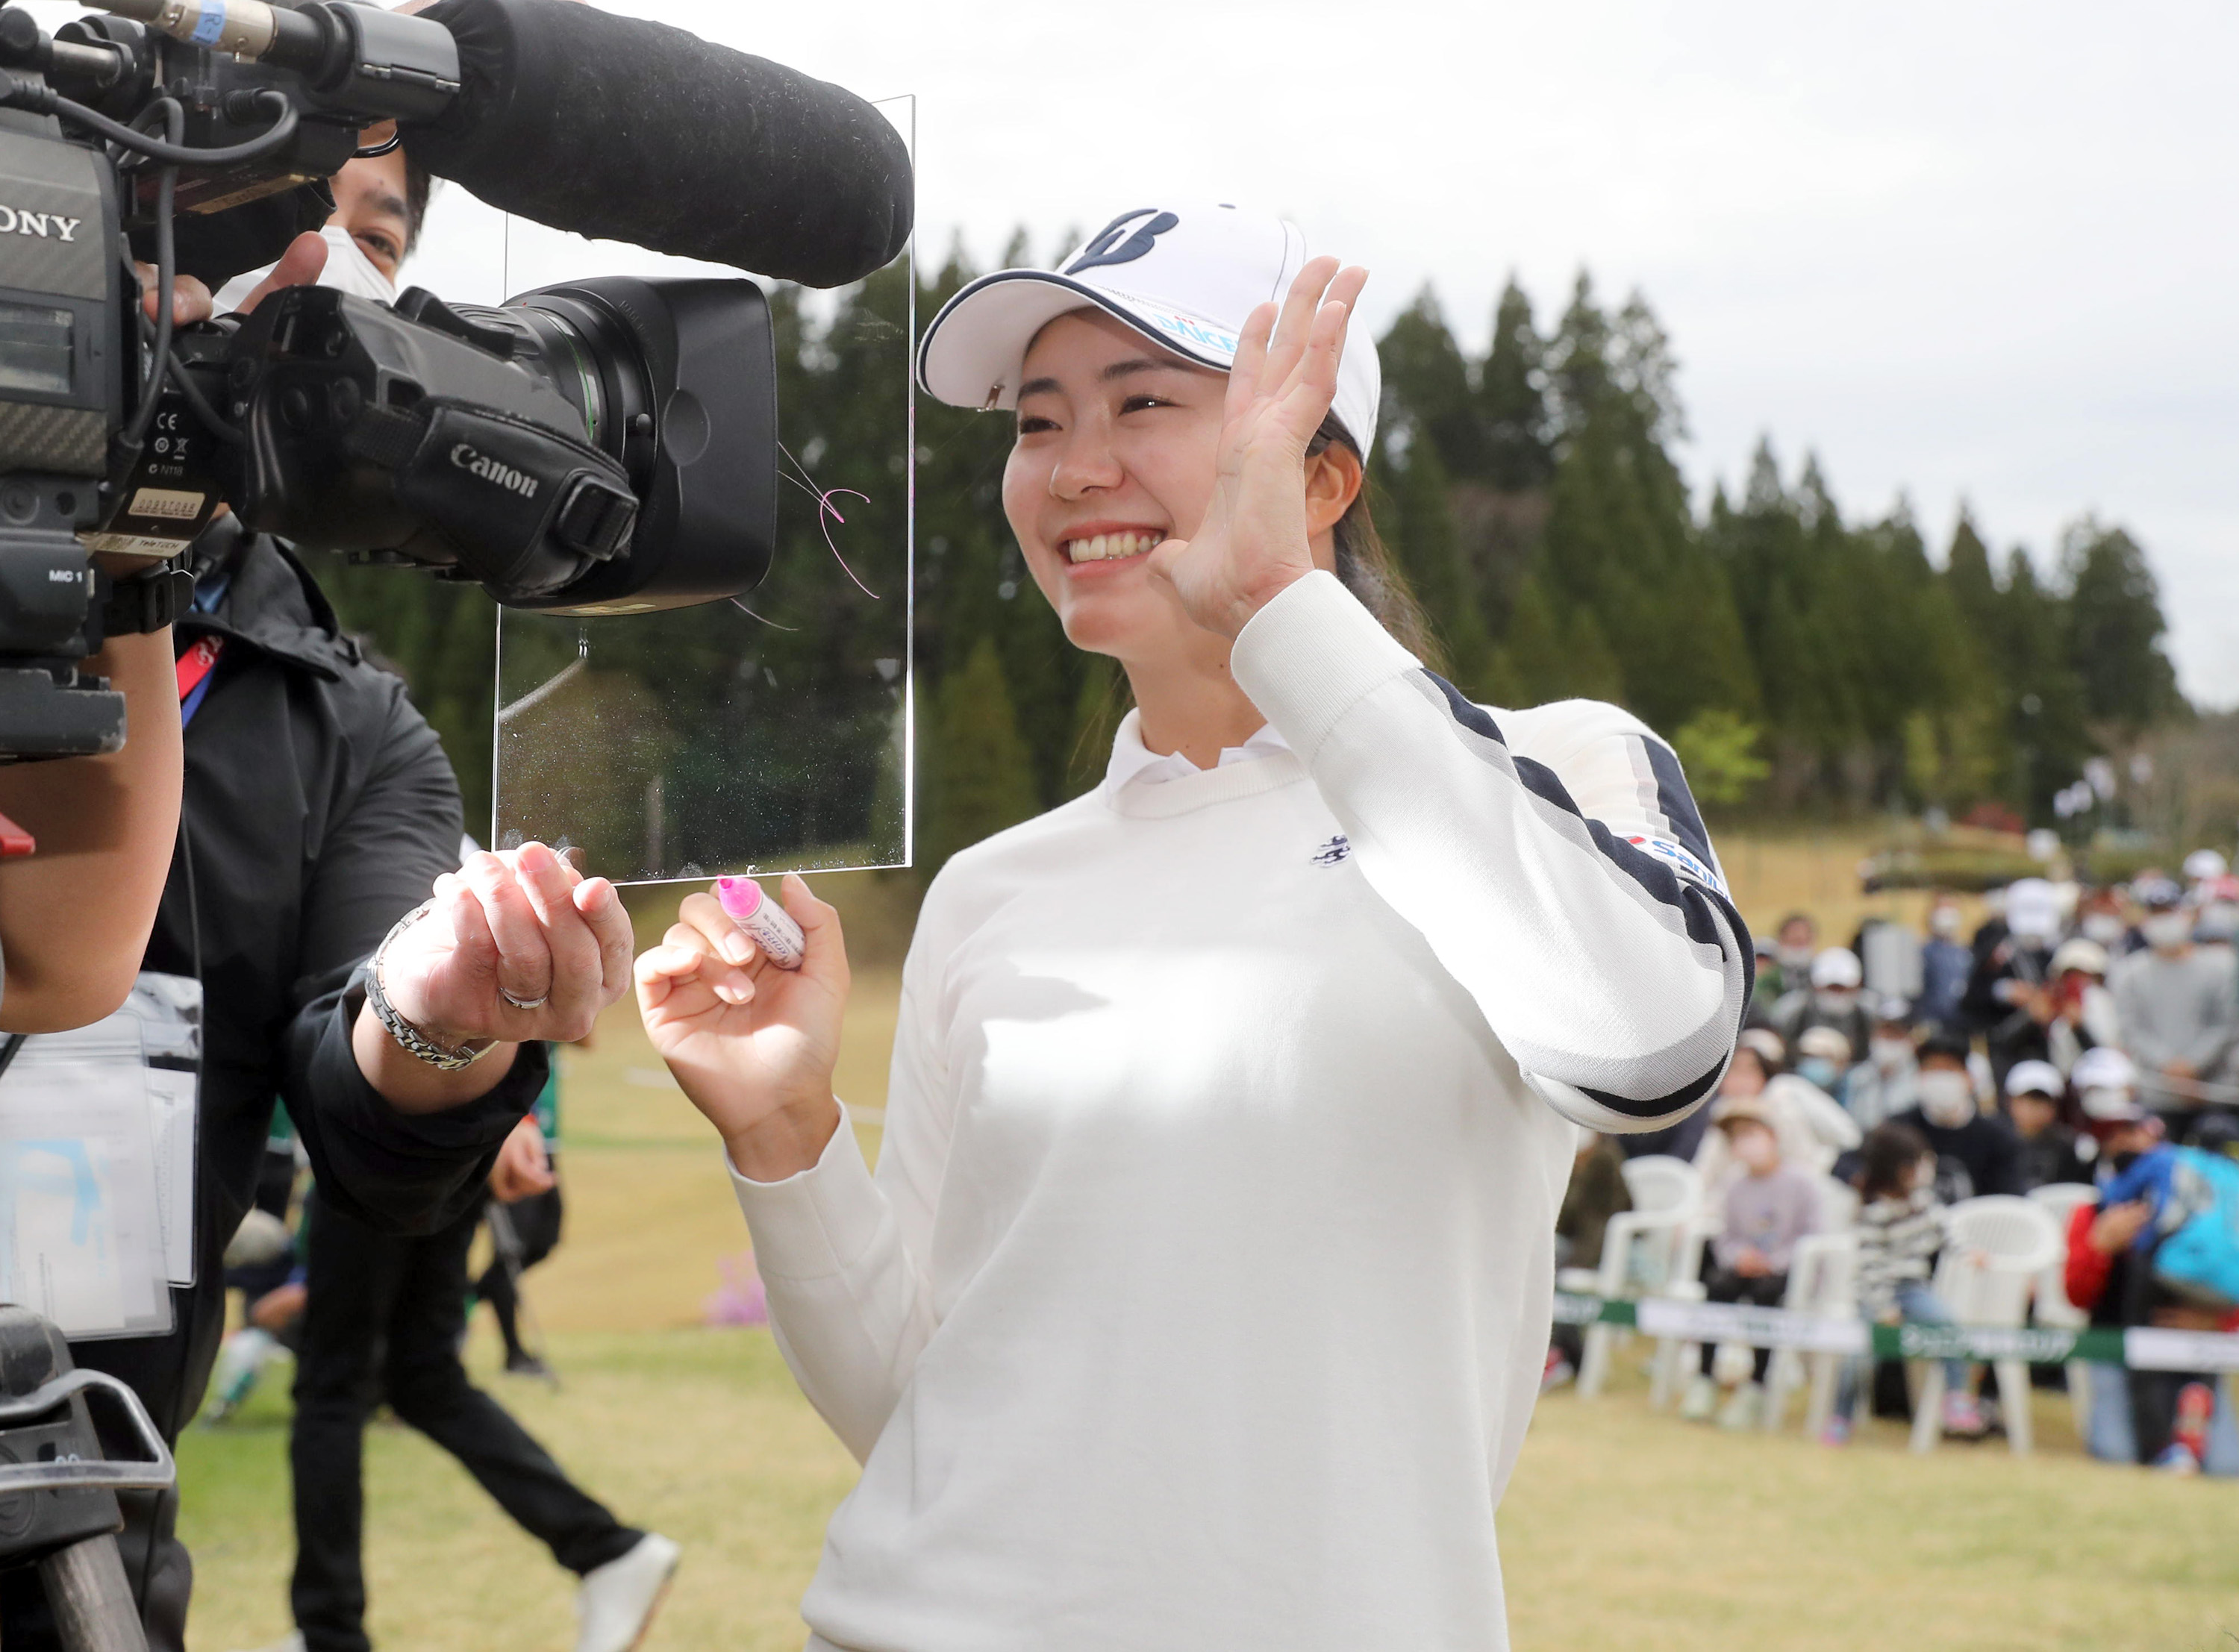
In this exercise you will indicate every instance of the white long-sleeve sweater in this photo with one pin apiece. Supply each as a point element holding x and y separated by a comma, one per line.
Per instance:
<point>1200,1298</point>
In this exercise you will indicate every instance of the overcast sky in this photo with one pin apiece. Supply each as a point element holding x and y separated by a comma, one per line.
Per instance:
<point>1983,252</point>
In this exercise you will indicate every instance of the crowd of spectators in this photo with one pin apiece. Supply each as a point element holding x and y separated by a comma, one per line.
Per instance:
<point>2078,1034</point>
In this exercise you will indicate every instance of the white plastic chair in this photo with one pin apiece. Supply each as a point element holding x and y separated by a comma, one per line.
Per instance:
<point>1994,1251</point>
<point>1637,1249</point>
<point>2060,1200</point>
<point>1823,1283</point>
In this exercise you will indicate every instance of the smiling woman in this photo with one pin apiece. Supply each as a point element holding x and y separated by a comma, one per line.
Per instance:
<point>1202,1292</point>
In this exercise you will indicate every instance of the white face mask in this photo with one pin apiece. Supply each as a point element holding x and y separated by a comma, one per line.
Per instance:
<point>2166,932</point>
<point>1947,1098</point>
<point>1756,1150</point>
<point>1889,1055</point>
<point>2106,928</point>
<point>1945,920</point>
<point>348,270</point>
<point>1794,957</point>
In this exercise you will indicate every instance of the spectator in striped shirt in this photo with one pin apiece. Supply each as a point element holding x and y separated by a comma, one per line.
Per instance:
<point>1900,1230</point>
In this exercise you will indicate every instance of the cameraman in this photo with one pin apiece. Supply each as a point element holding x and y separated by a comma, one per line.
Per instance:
<point>75,919</point>
<point>319,810</point>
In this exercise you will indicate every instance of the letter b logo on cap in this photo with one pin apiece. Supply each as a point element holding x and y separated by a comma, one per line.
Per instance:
<point>1108,247</point>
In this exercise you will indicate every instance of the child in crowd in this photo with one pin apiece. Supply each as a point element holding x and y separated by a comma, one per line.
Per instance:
<point>2176,1421</point>
<point>1767,1210</point>
<point>1900,1230</point>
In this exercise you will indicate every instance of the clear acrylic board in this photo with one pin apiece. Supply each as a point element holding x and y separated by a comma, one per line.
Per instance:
<point>771,732</point>
<point>766,734</point>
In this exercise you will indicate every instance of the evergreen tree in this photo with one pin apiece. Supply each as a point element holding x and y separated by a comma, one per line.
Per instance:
<point>1513,398</point>
<point>2114,639</point>
<point>985,782</point>
<point>1427,390</point>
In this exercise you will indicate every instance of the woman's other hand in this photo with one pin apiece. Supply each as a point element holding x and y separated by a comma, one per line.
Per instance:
<point>753,1045</point>
<point>1254,541</point>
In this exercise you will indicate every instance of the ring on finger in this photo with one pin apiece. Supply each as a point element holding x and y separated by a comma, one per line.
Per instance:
<point>524,1004</point>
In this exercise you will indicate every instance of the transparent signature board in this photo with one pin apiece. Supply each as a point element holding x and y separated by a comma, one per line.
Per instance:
<point>769,731</point>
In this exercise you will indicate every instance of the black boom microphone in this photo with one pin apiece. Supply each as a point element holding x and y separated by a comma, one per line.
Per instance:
<point>625,129</point>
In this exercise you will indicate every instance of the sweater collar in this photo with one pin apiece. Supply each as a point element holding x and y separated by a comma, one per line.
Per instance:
<point>1139,783</point>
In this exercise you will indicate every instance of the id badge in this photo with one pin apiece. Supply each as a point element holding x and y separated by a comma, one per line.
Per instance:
<point>97,1140</point>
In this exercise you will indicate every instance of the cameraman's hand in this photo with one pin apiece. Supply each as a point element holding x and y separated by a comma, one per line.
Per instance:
<point>300,266</point>
<point>523,1168</point>
<point>753,1045</point>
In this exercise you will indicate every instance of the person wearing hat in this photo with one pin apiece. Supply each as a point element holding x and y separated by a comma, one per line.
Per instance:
<point>2007,1000</point>
<point>1767,1209</point>
<point>2050,1152</point>
<point>1240,1089</point>
<point>2178,1013</point>
<point>2176,1421</point>
<point>2080,1010</point>
<point>1975,1153</point>
<point>1834,999</point>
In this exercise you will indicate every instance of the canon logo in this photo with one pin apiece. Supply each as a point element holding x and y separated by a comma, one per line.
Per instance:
<point>488,469</point>
<point>14,221</point>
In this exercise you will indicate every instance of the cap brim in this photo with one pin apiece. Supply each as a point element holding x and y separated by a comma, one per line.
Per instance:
<point>972,354</point>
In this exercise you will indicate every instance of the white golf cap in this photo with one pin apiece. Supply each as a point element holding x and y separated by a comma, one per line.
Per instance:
<point>1837,967</point>
<point>2104,1067</point>
<point>2035,1078</point>
<point>2204,863</point>
<point>1186,276</point>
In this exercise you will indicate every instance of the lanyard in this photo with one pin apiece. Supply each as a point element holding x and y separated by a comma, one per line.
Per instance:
<point>195,667</point>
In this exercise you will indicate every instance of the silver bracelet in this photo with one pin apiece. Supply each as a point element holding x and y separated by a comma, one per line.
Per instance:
<point>409,1038</point>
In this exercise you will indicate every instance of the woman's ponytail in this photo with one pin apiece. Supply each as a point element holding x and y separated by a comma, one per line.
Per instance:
<point>1367,569</point>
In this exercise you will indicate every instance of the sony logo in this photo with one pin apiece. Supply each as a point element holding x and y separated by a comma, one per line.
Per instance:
<point>489,469</point>
<point>16,220</point>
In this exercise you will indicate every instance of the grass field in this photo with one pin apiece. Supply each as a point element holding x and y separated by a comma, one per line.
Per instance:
<point>1624,1528</point>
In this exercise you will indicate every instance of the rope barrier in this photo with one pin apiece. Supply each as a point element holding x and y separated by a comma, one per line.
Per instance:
<point>2145,1348</point>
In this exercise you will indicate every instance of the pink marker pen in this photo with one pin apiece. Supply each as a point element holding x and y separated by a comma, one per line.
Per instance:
<point>763,922</point>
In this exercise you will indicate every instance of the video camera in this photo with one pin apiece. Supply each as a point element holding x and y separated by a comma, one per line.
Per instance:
<point>550,448</point>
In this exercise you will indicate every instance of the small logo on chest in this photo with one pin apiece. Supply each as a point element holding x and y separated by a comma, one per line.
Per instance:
<point>1333,852</point>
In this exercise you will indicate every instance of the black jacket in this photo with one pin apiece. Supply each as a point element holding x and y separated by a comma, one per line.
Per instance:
<point>319,809</point>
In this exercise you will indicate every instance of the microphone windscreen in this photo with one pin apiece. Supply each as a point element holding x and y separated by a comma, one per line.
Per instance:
<point>625,129</point>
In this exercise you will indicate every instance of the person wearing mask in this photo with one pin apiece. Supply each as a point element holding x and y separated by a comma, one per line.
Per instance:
<point>2177,1008</point>
<point>1833,998</point>
<point>1900,1229</point>
<point>2103,918</point>
<point>2007,1000</point>
<point>1813,1129</point>
<point>1976,1153</point>
<point>1886,1082</point>
<point>2050,1152</point>
<point>1768,1208</point>
<point>1823,1057</point>
<point>1149,1161</point>
<point>2178,1422</point>
<point>1796,942</point>
<point>1945,964</point>
<point>2083,1011</point>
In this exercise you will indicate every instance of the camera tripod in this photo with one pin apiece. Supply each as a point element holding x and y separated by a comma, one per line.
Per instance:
<point>58,1506</point>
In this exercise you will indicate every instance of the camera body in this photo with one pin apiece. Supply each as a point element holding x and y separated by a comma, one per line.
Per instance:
<point>598,446</point>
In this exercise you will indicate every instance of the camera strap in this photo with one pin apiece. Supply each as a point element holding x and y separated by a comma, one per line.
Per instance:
<point>522,505</point>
